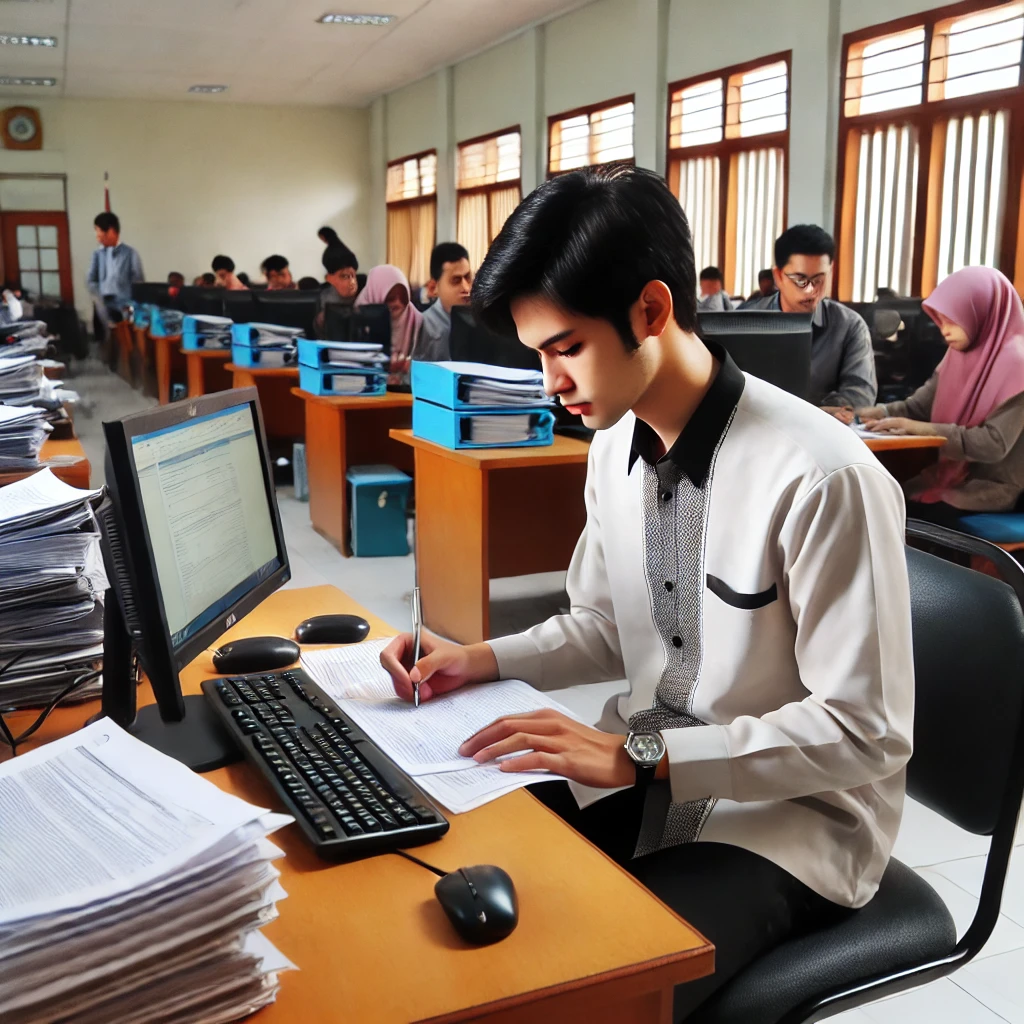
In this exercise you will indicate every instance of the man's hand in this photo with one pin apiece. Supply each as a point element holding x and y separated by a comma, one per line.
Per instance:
<point>447,666</point>
<point>843,413</point>
<point>901,425</point>
<point>559,744</point>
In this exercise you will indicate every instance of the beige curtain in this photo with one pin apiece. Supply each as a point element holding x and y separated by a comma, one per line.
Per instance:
<point>471,227</point>
<point>502,203</point>
<point>411,231</point>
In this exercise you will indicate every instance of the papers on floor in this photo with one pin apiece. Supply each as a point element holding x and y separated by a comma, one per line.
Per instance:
<point>23,429</point>
<point>51,591</point>
<point>506,428</point>
<point>354,355</point>
<point>424,742</point>
<point>133,890</point>
<point>501,386</point>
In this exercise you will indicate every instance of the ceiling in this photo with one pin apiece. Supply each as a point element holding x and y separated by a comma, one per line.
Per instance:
<point>266,51</point>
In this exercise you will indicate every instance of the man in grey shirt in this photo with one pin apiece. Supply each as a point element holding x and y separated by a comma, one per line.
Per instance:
<point>842,360</point>
<point>451,280</point>
<point>113,269</point>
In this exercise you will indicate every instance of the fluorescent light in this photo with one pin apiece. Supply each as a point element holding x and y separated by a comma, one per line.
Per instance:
<point>207,88</point>
<point>9,40</point>
<point>356,19</point>
<point>14,80</point>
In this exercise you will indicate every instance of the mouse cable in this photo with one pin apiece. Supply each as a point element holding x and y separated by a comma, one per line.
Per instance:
<point>14,742</point>
<point>422,863</point>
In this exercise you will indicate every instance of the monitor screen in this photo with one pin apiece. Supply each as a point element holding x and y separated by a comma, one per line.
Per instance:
<point>210,526</point>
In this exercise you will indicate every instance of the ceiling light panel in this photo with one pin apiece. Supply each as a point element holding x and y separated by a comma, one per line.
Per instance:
<point>356,19</point>
<point>18,80</point>
<point>207,88</point>
<point>10,40</point>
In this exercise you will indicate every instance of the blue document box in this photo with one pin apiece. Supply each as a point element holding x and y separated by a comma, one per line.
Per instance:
<point>451,427</point>
<point>441,383</point>
<point>263,358</point>
<point>377,499</point>
<point>332,381</point>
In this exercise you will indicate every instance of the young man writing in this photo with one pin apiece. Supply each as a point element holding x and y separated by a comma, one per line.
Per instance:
<point>451,281</point>
<point>113,269</point>
<point>842,360</point>
<point>742,566</point>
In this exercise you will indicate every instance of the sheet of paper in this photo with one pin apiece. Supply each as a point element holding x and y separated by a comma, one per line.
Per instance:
<point>862,431</point>
<point>351,671</point>
<point>470,788</point>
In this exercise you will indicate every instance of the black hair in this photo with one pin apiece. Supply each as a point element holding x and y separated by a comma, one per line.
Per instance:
<point>338,257</point>
<point>243,277</point>
<point>762,274</point>
<point>329,236</point>
<point>106,221</point>
<point>308,284</point>
<point>223,263</point>
<point>803,240</point>
<point>274,263</point>
<point>711,274</point>
<point>445,252</point>
<point>175,273</point>
<point>886,293</point>
<point>591,240</point>
<point>209,281</point>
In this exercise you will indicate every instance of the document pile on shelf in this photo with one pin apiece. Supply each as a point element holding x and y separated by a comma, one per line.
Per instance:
<point>424,742</point>
<point>203,330</point>
<point>513,388</point>
<point>23,429</point>
<point>25,338</point>
<point>499,430</point>
<point>353,355</point>
<point>133,890</point>
<point>51,592</point>
<point>264,345</point>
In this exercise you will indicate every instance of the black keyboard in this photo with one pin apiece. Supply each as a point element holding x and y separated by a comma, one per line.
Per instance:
<point>348,797</point>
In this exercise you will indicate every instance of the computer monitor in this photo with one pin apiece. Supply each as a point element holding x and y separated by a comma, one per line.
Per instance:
<point>764,343</point>
<point>192,542</point>
<point>239,306</point>
<point>202,301</point>
<point>369,324</point>
<point>151,293</point>
<point>471,342</point>
<point>286,308</point>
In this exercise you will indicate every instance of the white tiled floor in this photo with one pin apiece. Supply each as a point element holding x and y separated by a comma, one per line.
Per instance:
<point>988,991</point>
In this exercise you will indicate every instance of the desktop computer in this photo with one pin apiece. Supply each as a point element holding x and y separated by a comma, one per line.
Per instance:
<point>285,308</point>
<point>370,324</point>
<point>200,301</point>
<point>152,293</point>
<point>472,342</point>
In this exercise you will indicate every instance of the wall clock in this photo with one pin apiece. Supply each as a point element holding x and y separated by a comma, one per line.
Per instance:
<point>21,128</point>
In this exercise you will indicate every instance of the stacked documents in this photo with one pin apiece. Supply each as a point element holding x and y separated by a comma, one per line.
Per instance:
<point>25,337</point>
<point>424,742</point>
<point>206,331</point>
<point>353,355</point>
<point>272,335</point>
<point>21,379</point>
<point>51,588</point>
<point>132,890</point>
<point>527,390</point>
<point>23,430</point>
<point>497,430</point>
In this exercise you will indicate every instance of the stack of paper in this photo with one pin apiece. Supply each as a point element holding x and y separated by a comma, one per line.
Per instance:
<point>513,388</point>
<point>424,742</point>
<point>272,335</point>
<point>21,380</point>
<point>215,331</point>
<point>23,430</point>
<point>132,889</point>
<point>51,590</point>
<point>25,337</point>
<point>355,355</point>
<point>504,429</point>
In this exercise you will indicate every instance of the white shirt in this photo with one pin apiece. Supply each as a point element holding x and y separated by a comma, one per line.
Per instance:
<point>752,588</point>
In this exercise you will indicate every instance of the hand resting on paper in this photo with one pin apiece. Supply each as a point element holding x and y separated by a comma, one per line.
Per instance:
<point>442,667</point>
<point>900,425</point>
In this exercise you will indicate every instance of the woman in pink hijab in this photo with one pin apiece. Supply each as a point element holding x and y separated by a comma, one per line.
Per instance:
<point>975,399</point>
<point>387,285</point>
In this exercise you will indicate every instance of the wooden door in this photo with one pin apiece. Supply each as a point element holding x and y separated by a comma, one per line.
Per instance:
<point>37,253</point>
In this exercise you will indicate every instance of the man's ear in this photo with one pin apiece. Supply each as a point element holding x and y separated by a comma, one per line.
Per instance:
<point>432,288</point>
<point>655,309</point>
<point>777,276</point>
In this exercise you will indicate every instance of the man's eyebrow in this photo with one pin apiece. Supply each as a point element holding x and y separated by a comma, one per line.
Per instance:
<point>554,340</point>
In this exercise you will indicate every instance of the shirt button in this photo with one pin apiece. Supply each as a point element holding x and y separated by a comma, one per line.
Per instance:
<point>669,585</point>
<point>666,496</point>
<point>677,641</point>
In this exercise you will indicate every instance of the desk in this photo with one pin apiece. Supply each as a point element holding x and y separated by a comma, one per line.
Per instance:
<point>145,361</point>
<point>905,455</point>
<point>169,363</point>
<point>125,343</point>
<point>76,473</point>
<point>207,371</point>
<point>283,413</point>
<point>489,512</point>
<point>371,941</point>
<point>343,432</point>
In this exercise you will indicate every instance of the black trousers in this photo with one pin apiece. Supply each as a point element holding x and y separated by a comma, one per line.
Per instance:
<point>937,512</point>
<point>743,903</point>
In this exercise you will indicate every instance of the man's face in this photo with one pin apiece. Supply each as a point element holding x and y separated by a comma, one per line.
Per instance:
<point>584,360</point>
<point>176,281</point>
<point>709,286</point>
<point>802,282</point>
<point>454,286</point>
<point>345,283</point>
<point>108,237</point>
<point>223,276</point>
<point>277,279</point>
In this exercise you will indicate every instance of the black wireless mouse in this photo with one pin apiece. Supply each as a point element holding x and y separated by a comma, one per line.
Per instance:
<point>255,654</point>
<point>480,902</point>
<point>332,629</point>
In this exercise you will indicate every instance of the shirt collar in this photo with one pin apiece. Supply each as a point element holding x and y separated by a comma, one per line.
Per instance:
<point>695,447</point>
<point>819,314</point>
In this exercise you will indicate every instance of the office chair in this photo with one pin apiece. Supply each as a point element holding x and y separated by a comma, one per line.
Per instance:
<point>968,766</point>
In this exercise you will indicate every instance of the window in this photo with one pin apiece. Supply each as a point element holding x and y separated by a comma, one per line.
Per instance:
<point>925,173</point>
<point>412,214</point>
<point>488,189</point>
<point>601,134</point>
<point>728,137</point>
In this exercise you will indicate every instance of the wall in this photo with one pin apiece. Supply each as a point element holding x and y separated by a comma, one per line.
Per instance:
<point>192,180</point>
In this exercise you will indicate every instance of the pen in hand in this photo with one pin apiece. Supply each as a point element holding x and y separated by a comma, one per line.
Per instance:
<point>417,627</point>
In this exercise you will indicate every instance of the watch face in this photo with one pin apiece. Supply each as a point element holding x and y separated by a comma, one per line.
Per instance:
<point>22,128</point>
<point>646,747</point>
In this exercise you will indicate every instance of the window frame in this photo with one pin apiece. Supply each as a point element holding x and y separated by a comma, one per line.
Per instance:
<point>923,116</point>
<point>588,109</point>
<point>726,147</point>
<point>431,198</point>
<point>495,186</point>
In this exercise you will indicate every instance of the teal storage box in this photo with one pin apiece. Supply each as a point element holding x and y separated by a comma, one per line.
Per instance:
<point>264,357</point>
<point>482,428</point>
<point>377,499</point>
<point>345,382</point>
<point>449,384</point>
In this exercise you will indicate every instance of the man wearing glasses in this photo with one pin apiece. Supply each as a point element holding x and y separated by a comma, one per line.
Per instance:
<point>842,362</point>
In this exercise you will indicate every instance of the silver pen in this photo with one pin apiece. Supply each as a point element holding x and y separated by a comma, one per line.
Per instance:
<point>417,629</point>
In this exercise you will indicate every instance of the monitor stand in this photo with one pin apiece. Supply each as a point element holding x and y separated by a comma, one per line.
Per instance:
<point>198,740</point>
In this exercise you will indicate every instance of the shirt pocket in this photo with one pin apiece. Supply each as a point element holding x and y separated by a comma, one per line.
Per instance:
<point>737,599</point>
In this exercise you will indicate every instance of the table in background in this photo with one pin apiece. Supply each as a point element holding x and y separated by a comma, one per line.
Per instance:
<point>207,371</point>
<point>905,455</point>
<point>344,431</point>
<point>491,512</point>
<point>76,473</point>
<point>170,363</point>
<point>124,343</point>
<point>145,361</point>
<point>283,413</point>
<point>372,942</point>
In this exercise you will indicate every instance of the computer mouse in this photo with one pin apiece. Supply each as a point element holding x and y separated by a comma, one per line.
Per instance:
<point>255,654</point>
<point>332,629</point>
<point>480,902</point>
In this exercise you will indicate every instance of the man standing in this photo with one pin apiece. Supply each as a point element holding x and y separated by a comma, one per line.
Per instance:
<point>451,281</point>
<point>113,269</point>
<point>842,360</point>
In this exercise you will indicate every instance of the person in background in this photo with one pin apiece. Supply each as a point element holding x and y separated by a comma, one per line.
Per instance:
<point>206,280</point>
<point>277,273</point>
<point>10,306</point>
<point>176,281</point>
<point>387,285</point>
<point>765,289</point>
<point>224,269</point>
<point>244,278</point>
<point>975,399</point>
<point>713,296</point>
<point>340,286</point>
<point>308,284</point>
<point>113,269</point>
<point>329,237</point>
<point>842,360</point>
<point>451,282</point>
<point>884,294</point>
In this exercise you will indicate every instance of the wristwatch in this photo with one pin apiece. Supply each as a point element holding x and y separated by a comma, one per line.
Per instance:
<point>646,749</point>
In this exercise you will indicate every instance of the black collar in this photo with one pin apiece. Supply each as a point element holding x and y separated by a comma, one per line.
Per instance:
<point>695,446</point>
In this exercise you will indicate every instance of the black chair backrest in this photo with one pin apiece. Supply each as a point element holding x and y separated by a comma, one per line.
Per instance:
<point>969,664</point>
